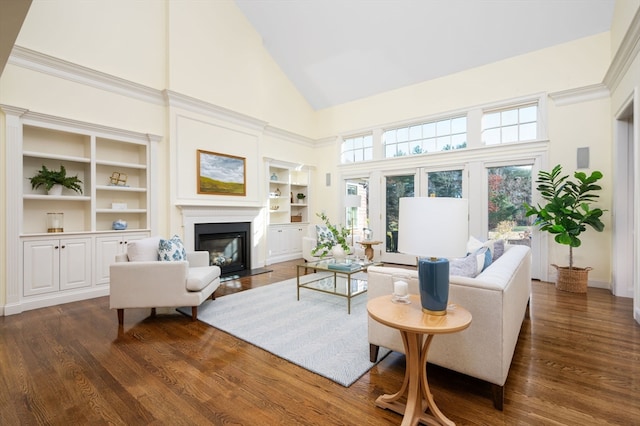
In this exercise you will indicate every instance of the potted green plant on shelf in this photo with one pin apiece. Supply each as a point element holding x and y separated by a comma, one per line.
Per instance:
<point>300,196</point>
<point>51,178</point>
<point>565,215</point>
<point>335,244</point>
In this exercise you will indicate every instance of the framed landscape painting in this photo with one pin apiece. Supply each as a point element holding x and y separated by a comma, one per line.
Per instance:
<point>221,174</point>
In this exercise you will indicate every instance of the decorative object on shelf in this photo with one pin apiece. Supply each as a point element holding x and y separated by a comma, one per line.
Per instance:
<point>55,222</point>
<point>274,207</point>
<point>118,179</point>
<point>565,215</point>
<point>118,205</point>
<point>297,218</point>
<point>352,202</point>
<point>278,193</point>
<point>337,236</point>
<point>49,178</point>
<point>119,225</point>
<point>300,196</point>
<point>367,234</point>
<point>274,176</point>
<point>221,174</point>
<point>273,195</point>
<point>433,229</point>
<point>291,197</point>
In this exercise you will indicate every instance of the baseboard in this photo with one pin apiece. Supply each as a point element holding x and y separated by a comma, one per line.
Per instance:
<point>53,299</point>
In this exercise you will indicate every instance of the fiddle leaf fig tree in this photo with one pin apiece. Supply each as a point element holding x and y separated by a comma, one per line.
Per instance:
<point>568,209</point>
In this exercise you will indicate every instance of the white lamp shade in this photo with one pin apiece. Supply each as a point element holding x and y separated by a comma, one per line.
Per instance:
<point>433,226</point>
<point>352,201</point>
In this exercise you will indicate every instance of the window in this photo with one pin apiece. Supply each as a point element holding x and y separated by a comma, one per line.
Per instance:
<point>359,148</point>
<point>509,188</point>
<point>447,183</point>
<point>434,136</point>
<point>510,125</point>
<point>396,188</point>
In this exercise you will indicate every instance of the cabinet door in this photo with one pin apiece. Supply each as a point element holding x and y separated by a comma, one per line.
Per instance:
<point>295,239</point>
<point>106,250</point>
<point>75,263</point>
<point>41,267</point>
<point>277,241</point>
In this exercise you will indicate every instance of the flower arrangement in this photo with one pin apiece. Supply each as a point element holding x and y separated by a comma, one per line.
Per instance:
<point>325,245</point>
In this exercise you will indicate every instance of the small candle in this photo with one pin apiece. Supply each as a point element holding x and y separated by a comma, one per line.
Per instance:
<point>400,288</point>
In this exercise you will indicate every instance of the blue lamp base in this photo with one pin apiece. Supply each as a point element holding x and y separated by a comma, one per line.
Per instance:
<point>433,280</point>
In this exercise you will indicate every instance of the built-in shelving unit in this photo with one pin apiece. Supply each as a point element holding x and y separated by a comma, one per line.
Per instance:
<point>288,215</point>
<point>59,267</point>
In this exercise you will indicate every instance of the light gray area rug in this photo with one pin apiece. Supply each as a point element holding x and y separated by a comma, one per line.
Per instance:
<point>315,332</point>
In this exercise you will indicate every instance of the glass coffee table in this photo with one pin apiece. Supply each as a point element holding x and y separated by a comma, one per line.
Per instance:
<point>337,278</point>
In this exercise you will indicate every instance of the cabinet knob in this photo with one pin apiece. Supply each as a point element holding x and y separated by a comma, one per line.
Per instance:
<point>63,246</point>
<point>56,247</point>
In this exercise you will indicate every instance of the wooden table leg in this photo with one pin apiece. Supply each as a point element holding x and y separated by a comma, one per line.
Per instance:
<point>415,386</point>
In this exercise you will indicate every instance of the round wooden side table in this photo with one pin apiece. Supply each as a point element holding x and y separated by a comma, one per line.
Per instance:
<point>413,324</point>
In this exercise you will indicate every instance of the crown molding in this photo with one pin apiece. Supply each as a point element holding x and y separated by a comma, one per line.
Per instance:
<point>36,61</point>
<point>627,52</point>
<point>178,100</point>
<point>61,123</point>
<point>288,136</point>
<point>580,94</point>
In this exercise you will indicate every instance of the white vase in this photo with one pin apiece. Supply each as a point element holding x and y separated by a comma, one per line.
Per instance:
<point>338,253</point>
<point>55,190</point>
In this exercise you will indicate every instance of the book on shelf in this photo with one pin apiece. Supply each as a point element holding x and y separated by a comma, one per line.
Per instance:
<point>344,266</point>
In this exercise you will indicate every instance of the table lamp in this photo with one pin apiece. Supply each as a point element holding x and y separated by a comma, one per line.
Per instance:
<point>433,229</point>
<point>351,201</point>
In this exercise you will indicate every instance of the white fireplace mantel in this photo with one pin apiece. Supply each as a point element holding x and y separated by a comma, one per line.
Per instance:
<point>195,214</point>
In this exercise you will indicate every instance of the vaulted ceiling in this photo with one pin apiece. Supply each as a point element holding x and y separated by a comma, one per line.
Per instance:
<point>336,51</point>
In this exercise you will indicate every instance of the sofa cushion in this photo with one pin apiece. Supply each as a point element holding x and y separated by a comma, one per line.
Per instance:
<point>200,277</point>
<point>172,249</point>
<point>143,250</point>
<point>464,266</point>
<point>324,235</point>
<point>498,249</point>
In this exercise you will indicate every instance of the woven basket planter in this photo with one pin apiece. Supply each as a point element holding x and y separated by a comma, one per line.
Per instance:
<point>574,280</point>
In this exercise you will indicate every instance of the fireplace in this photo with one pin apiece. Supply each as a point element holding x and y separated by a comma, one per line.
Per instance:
<point>228,245</point>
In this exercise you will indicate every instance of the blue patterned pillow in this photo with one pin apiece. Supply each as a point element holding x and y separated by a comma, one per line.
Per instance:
<point>172,250</point>
<point>324,235</point>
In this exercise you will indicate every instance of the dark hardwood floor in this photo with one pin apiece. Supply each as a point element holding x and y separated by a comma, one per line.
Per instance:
<point>577,363</point>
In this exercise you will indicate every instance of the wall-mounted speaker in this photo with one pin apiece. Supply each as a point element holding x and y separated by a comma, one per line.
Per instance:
<point>583,158</point>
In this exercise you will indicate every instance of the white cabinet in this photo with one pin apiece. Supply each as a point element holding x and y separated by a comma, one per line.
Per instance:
<point>67,266</point>
<point>107,248</point>
<point>284,242</point>
<point>53,265</point>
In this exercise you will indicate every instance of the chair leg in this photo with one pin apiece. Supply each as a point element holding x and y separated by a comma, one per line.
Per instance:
<point>153,312</point>
<point>497,392</point>
<point>120,316</point>
<point>194,313</point>
<point>373,352</point>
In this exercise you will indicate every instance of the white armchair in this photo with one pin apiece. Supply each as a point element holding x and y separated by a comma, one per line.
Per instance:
<point>153,283</point>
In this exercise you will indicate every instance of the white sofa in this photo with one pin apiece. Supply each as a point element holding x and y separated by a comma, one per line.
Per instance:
<point>147,283</point>
<point>498,300</point>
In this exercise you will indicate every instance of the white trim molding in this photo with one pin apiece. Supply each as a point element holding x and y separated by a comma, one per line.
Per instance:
<point>580,94</point>
<point>627,52</point>
<point>36,61</point>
